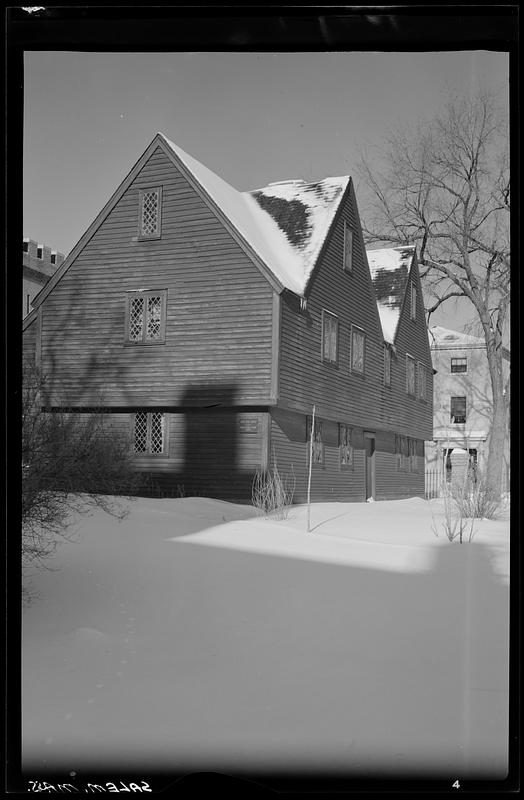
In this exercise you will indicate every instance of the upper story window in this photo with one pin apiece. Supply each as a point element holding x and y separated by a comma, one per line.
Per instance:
<point>458,410</point>
<point>150,214</point>
<point>149,433</point>
<point>329,337</point>
<point>345,447</point>
<point>410,375</point>
<point>318,444</point>
<point>53,258</point>
<point>459,365</point>
<point>348,248</point>
<point>39,251</point>
<point>146,317</point>
<point>358,338</point>
<point>387,366</point>
<point>413,301</point>
<point>422,381</point>
<point>25,246</point>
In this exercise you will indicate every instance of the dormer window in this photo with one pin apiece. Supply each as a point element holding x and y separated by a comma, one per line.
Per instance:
<point>150,208</point>
<point>348,248</point>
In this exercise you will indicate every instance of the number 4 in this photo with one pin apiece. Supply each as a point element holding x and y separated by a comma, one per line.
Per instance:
<point>456,785</point>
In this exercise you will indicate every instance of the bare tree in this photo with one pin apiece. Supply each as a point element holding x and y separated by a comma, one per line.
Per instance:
<point>444,185</point>
<point>70,462</point>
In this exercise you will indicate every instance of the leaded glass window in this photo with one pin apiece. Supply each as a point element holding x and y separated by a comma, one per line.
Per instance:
<point>410,375</point>
<point>318,446</point>
<point>348,248</point>
<point>150,216</point>
<point>149,433</point>
<point>357,349</point>
<point>345,447</point>
<point>146,317</point>
<point>422,382</point>
<point>329,337</point>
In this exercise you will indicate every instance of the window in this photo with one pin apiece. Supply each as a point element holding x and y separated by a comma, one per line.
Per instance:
<point>39,251</point>
<point>146,317</point>
<point>149,433</point>
<point>413,301</point>
<point>150,213</point>
<point>458,410</point>
<point>25,246</point>
<point>412,455</point>
<point>53,258</point>
<point>387,366</point>
<point>422,382</point>
<point>357,349</point>
<point>459,365</point>
<point>410,375</point>
<point>345,447</point>
<point>348,248</point>
<point>329,337</point>
<point>318,446</point>
<point>401,453</point>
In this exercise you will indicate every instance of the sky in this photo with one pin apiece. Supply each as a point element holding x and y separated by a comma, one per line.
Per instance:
<point>252,118</point>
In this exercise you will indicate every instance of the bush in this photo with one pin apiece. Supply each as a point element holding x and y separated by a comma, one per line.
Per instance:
<point>272,493</point>
<point>70,463</point>
<point>475,497</point>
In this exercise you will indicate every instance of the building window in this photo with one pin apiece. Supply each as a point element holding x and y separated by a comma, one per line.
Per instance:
<point>25,246</point>
<point>146,317</point>
<point>149,433</point>
<point>39,251</point>
<point>345,447</point>
<point>357,349</point>
<point>422,382</point>
<point>458,410</point>
<point>348,248</point>
<point>318,445</point>
<point>410,375</point>
<point>329,337</point>
<point>402,453</point>
<point>150,213</point>
<point>53,258</point>
<point>412,455</point>
<point>413,301</point>
<point>387,366</point>
<point>459,365</point>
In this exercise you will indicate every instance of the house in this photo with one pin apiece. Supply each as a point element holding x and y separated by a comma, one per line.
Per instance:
<point>209,322</point>
<point>39,263</point>
<point>462,403</point>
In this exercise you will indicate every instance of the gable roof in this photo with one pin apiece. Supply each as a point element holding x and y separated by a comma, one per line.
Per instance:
<point>390,268</point>
<point>286,223</point>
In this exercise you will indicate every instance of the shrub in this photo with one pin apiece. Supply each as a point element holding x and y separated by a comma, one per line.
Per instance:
<point>272,493</point>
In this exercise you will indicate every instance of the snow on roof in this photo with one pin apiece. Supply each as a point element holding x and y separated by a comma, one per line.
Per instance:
<point>285,223</point>
<point>389,268</point>
<point>444,337</point>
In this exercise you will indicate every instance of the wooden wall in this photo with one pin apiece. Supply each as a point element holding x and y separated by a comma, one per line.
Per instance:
<point>219,307</point>
<point>338,393</point>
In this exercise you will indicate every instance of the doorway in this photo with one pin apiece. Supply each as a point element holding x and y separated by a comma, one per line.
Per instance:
<point>369,445</point>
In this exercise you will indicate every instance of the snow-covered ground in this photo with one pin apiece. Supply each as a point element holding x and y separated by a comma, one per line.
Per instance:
<point>195,635</point>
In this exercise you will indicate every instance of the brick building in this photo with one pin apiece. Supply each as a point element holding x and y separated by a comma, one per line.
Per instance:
<point>39,263</point>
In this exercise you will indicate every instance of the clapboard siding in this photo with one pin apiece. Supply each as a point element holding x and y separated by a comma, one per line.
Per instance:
<point>209,452</point>
<point>219,307</point>
<point>338,393</point>
<point>29,340</point>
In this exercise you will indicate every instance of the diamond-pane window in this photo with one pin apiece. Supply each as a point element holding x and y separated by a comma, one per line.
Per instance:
<point>329,337</point>
<point>346,450</point>
<point>422,382</point>
<point>149,433</point>
<point>348,248</point>
<point>357,350</point>
<point>146,317</point>
<point>318,447</point>
<point>410,375</point>
<point>150,202</point>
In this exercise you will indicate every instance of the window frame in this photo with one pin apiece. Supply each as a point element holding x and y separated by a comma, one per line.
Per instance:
<point>458,371</point>
<point>318,426</point>
<point>325,315</point>
<point>357,329</point>
<point>144,237</point>
<point>386,360</point>
<point>422,371</point>
<point>347,265</point>
<point>351,465</point>
<point>413,301</point>
<point>410,359</point>
<point>165,437</point>
<point>458,397</point>
<point>144,294</point>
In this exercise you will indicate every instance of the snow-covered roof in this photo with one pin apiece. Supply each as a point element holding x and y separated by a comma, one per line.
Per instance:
<point>389,268</point>
<point>444,338</point>
<point>285,223</point>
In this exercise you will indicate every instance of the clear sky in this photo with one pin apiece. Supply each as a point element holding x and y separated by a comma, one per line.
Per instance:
<point>252,118</point>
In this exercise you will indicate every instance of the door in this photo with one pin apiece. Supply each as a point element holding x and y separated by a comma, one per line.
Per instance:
<point>369,442</point>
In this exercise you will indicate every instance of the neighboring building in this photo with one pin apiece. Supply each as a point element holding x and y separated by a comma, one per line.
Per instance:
<point>208,322</point>
<point>39,263</point>
<point>462,403</point>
